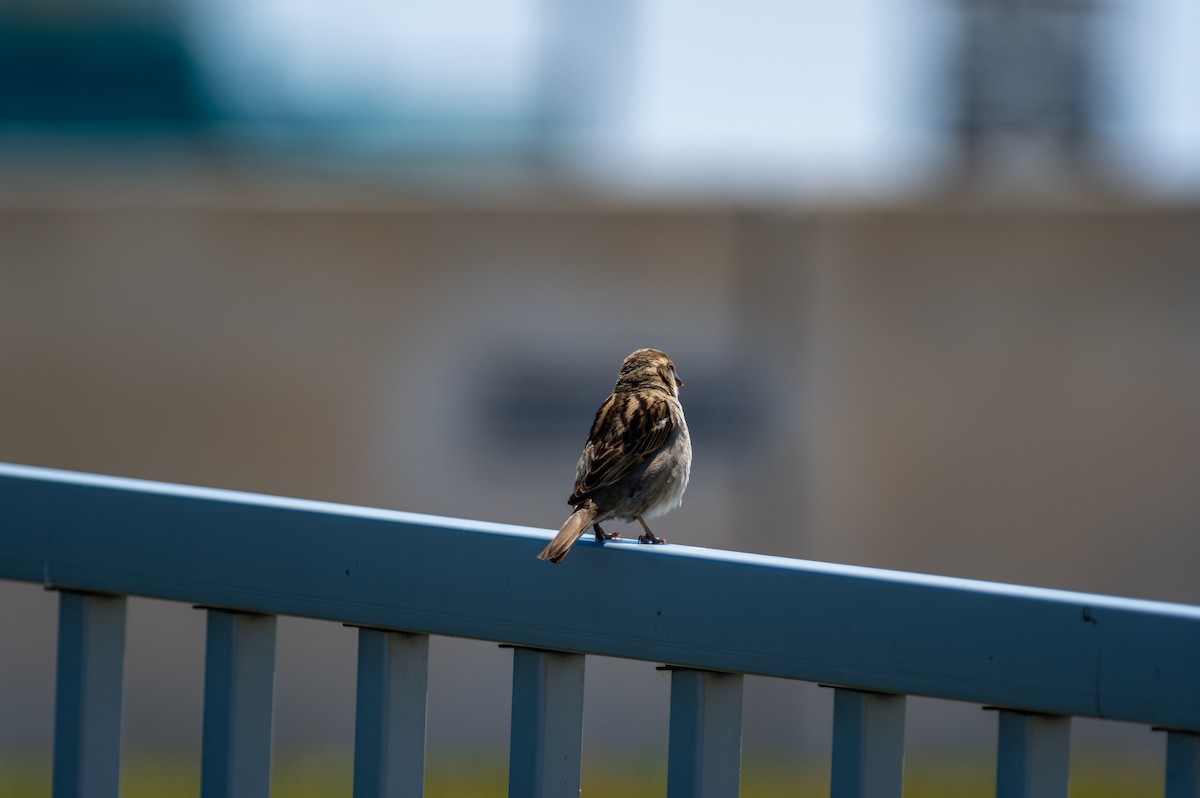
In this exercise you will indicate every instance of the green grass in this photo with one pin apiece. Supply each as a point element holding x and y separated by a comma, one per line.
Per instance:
<point>486,777</point>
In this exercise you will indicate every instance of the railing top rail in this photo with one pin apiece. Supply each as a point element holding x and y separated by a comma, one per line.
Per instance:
<point>1035,649</point>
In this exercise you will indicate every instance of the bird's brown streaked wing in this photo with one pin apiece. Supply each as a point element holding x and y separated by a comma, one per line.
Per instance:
<point>628,429</point>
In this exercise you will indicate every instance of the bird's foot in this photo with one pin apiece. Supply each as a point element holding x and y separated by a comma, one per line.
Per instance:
<point>649,537</point>
<point>602,536</point>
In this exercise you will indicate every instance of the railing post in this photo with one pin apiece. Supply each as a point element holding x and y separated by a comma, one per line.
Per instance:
<point>704,757</point>
<point>239,705</point>
<point>868,745</point>
<point>88,706</point>
<point>1034,755</point>
<point>1183,764</point>
<point>545,748</point>
<point>389,728</point>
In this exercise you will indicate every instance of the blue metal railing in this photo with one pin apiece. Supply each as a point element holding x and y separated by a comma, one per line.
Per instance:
<point>1039,656</point>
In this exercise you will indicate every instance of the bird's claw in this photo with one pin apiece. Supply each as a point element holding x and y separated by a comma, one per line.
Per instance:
<point>602,536</point>
<point>651,538</point>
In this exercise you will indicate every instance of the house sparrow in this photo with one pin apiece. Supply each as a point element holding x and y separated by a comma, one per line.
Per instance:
<point>638,455</point>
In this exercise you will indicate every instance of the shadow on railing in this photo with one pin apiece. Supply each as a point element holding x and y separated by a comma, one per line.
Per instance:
<point>1038,656</point>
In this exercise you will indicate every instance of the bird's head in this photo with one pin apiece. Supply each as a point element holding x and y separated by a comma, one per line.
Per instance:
<point>649,368</point>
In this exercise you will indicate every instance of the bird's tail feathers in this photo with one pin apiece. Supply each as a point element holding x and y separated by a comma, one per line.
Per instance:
<point>571,531</point>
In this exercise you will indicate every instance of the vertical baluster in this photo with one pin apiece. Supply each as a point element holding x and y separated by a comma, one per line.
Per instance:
<point>704,758</point>
<point>1034,755</point>
<point>1183,764</point>
<point>239,704</point>
<point>868,745</point>
<point>545,747</point>
<point>88,710</point>
<point>389,730</point>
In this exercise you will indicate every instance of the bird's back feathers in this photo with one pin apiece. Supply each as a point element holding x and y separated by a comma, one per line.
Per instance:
<point>629,427</point>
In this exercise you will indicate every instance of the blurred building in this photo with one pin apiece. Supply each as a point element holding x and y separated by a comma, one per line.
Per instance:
<point>395,259</point>
<point>1027,76</point>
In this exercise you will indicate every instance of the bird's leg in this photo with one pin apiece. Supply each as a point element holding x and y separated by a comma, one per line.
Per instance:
<point>602,536</point>
<point>649,537</point>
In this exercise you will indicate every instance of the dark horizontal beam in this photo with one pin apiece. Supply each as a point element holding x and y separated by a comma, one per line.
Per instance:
<point>1024,648</point>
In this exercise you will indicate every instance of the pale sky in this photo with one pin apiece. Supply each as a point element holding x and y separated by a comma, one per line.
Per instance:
<point>710,92</point>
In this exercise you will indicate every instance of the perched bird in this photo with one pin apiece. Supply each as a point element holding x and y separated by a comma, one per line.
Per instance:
<point>638,455</point>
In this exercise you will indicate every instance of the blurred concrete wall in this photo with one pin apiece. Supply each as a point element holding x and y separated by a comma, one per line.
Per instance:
<point>997,391</point>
